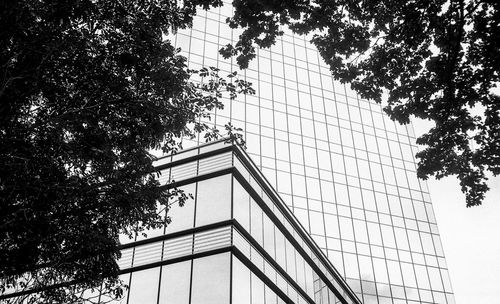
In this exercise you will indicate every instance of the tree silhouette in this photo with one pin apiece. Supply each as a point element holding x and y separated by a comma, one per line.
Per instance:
<point>87,89</point>
<point>437,60</point>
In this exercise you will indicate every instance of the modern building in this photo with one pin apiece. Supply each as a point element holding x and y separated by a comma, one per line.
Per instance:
<point>323,207</point>
<point>235,242</point>
<point>346,171</point>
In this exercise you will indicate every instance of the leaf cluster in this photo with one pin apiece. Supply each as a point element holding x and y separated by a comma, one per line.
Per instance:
<point>87,90</point>
<point>436,60</point>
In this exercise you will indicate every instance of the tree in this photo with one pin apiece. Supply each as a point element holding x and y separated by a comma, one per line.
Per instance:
<point>87,89</point>
<point>437,60</point>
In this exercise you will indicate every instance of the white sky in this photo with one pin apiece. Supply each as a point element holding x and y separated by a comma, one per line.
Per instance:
<point>470,237</point>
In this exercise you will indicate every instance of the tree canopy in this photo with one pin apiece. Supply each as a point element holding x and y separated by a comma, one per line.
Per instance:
<point>437,60</point>
<point>87,89</point>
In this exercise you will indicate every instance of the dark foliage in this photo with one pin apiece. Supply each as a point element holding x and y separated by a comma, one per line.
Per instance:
<point>87,89</point>
<point>437,60</point>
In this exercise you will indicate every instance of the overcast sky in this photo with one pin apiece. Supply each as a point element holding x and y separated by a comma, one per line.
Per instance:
<point>470,237</point>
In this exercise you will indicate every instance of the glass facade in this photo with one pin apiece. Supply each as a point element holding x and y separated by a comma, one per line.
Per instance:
<point>327,207</point>
<point>238,241</point>
<point>345,169</point>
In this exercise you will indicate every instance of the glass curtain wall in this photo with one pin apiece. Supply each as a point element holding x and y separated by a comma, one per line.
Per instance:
<point>234,242</point>
<point>345,169</point>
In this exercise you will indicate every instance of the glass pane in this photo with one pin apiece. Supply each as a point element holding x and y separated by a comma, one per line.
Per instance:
<point>316,220</point>
<point>144,286</point>
<point>241,283</point>
<point>182,218</point>
<point>269,245</point>
<point>380,270</point>
<point>175,283</point>
<point>256,222</point>
<point>213,200</point>
<point>280,248</point>
<point>332,225</point>
<point>408,275</point>
<point>351,265</point>
<point>394,272</point>
<point>422,278</point>
<point>241,205</point>
<point>257,290</point>
<point>211,280</point>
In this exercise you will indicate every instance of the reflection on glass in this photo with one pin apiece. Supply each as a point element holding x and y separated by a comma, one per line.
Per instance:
<point>241,205</point>
<point>256,222</point>
<point>211,280</point>
<point>269,241</point>
<point>175,283</point>
<point>213,202</point>
<point>144,286</point>
<point>182,217</point>
<point>241,283</point>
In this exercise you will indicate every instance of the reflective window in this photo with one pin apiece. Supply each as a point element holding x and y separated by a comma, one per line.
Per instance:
<point>422,278</point>
<point>355,197</point>
<point>213,195</point>
<point>280,248</point>
<point>346,228</point>
<point>182,217</point>
<point>351,265</point>
<point>365,266</point>
<point>211,280</point>
<point>241,207</point>
<point>240,283</point>
<point>331,225</point>
<point>313,190</point>
<point>382,203</point>
<point>282,150</point>
<point>368,200</point>
<point>269,245</point>
<point>309,279</point>
<point>388,174</point>
<point>380,270</point>
<point>360,231</point>
<point>401,238</point>
<point>284,183</point>
<point>394,272</point>
<point>427,243</point>
<point>388,236</point>
<point>435,278</point>
<point>267,145</point>
<point>256,229</point>
<point>257,295</point>
<point>407,208</point>
<point>144,286</point>
<point>376,172</point>
<point>420,211</point>
<point>395,205</point>
<point>374,233</point>
<point>414,240</point>
<point>175,283</point>
<point>296,154</point>
<point>300,263</point>
<point>298,185</point>
<point>316,220</point>
<point>408,275</point>
<point>346,137</point>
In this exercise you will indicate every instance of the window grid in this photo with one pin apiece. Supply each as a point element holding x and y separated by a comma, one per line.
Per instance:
<point>401,138</point>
